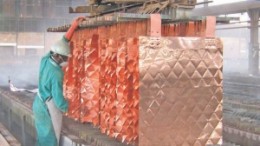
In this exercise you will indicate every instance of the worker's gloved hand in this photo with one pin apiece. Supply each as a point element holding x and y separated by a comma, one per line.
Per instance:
<point>73,27</point>
<point>77,21</point>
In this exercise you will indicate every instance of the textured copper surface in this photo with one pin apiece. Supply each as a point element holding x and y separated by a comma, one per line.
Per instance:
<point>180,80</point>
<point>71,81</point>
<point>90,82</point>
<point>131,126</point>
<point>121,89</point>
<point>180,91</point>
<point>108,98</point>
<point>95,77</point>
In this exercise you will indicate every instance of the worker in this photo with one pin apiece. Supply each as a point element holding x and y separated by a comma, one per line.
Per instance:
<point>50,104</point>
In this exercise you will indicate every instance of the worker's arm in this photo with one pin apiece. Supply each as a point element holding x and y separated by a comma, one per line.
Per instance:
<point>57,92</point>
<point>73,27</point>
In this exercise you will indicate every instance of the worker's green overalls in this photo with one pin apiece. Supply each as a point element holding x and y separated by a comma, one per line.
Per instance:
<point>50,91</point>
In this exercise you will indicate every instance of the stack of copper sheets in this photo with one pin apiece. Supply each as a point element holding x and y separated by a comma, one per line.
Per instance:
<point>148,91</point>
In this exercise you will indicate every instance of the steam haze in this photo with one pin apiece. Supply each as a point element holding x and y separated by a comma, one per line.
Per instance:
<point>23,36</point>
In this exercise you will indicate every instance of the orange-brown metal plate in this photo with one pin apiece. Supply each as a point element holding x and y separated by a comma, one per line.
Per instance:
<point>179,101</point>
<point>180,91</point>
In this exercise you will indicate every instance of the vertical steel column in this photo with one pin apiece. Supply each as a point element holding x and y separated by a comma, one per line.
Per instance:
<point>253,55</point>
<point>17,15</point>
<point>23,119</point>
<point>9,118</point>
<point>206,4</point>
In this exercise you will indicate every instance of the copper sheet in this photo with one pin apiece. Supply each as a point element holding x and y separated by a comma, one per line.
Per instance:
<point>102,80</point>
<point>90,82</point>
<point>121,89</point>
<point>131,126</point>
<point>200,28</point>
<point>108,98</point>
<point>180,80</point>
<point>72,80</point>
<point>180,91</point>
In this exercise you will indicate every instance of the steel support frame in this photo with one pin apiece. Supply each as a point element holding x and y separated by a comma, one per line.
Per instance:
<point>253,55</point>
